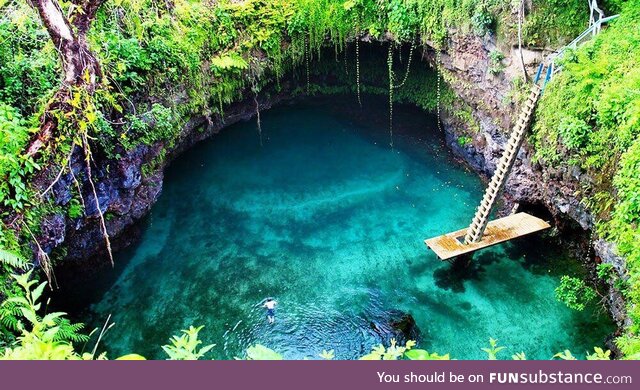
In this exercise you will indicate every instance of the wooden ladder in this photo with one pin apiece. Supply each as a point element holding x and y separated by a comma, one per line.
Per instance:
<point>453,244</point>
<point>481,218</point>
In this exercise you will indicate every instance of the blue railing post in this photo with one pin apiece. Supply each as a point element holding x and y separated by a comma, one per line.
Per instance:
<point>547,78</point>
<point>538,73</point>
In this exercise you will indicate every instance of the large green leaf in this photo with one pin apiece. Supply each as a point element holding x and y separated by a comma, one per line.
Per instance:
<point>421,354</point>
<point>132,356</point>
<point>260,352</point>
<point>229,61</point>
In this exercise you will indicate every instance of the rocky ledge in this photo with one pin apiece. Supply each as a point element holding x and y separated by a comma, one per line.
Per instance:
<point>125,194</point>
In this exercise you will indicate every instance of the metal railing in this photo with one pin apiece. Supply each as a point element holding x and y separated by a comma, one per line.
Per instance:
<point>596,20</point>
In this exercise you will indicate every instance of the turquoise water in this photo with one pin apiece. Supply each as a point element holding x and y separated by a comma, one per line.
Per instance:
<point>330,221</point>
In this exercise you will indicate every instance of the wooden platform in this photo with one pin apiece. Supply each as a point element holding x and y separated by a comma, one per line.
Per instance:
<point>499,230</point>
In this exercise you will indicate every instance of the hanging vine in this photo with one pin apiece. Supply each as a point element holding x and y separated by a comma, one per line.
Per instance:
<point>358,66</point>
<point>438,89</point>
<point>346,68</point>
<point>390,67</point>
<point>392,84</point>
<point>307,50</point>
<point>220,105</point>
<point>103,225</point>
<point>43,259</point>
<point>258,123</point>
<point>81,114</point>
<point>254,70</point>
<point>406,74</point>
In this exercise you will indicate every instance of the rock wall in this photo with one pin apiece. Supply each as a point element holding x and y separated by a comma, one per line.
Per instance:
<point>125,194</point>
<point>466,62</point>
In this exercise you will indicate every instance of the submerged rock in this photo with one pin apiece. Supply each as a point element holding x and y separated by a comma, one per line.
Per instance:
<point>397,325</point>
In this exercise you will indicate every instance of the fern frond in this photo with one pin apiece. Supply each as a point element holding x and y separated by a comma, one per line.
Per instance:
<point>69,332</point>
<point>9,322</point>
<point>9,315</point>
<point>12,259</point>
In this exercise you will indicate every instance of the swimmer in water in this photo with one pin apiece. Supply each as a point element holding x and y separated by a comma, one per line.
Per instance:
<point>270,305</point>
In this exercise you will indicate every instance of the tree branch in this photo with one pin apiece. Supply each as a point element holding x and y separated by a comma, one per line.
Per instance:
<point>84,14</point>
<point>54,21</point>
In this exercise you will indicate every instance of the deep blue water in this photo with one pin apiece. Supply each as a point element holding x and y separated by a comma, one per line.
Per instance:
<point>330,221</point>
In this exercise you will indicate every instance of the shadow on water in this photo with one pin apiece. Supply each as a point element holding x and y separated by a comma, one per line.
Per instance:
<point>463,268</point>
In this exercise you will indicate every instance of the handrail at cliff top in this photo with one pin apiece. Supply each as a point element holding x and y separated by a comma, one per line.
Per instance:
<point>573,44</point>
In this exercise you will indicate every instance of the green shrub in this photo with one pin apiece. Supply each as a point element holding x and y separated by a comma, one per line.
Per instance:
<point>482,21</point>
<point>574,293</point>
<point>464,140</point>
<point>14,166</point>
<point>495,62</point>
<point>589,116</point>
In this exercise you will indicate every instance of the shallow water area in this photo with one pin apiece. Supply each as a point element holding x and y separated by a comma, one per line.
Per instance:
<point>329,220</point>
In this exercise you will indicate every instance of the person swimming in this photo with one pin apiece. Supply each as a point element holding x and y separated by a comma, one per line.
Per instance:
<point>270,305</point>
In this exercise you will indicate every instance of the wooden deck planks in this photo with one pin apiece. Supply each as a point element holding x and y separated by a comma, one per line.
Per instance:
<point>499,230</point>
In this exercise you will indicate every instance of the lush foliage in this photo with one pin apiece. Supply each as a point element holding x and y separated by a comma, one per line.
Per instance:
<point>45,337</point>
<point>492,351</point>
<point>166,62</point>
<point>598,131</point>
<point>53,337</point>
<point>11,259</point>
<point>185,346</point>
<point>574,293</point>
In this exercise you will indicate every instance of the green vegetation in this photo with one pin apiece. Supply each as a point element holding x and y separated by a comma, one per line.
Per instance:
<point>495,58</point>
<point>52,337</point>
<point>464,141</point>
<point>44,338</point>
<point>556,21</point>
<point>492,351</point>
<point>164,63</point>
<point>597,130</point>
<point>574,293</point>
<point>184,347</point>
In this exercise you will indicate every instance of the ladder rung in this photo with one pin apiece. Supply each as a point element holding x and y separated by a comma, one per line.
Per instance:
<point>481,217</point>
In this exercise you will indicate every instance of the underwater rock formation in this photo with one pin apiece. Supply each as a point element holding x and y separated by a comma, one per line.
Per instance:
<point>396,325</point>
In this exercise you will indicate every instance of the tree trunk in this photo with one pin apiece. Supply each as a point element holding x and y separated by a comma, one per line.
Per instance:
<point>520,21</point>
<point>80,67</point>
